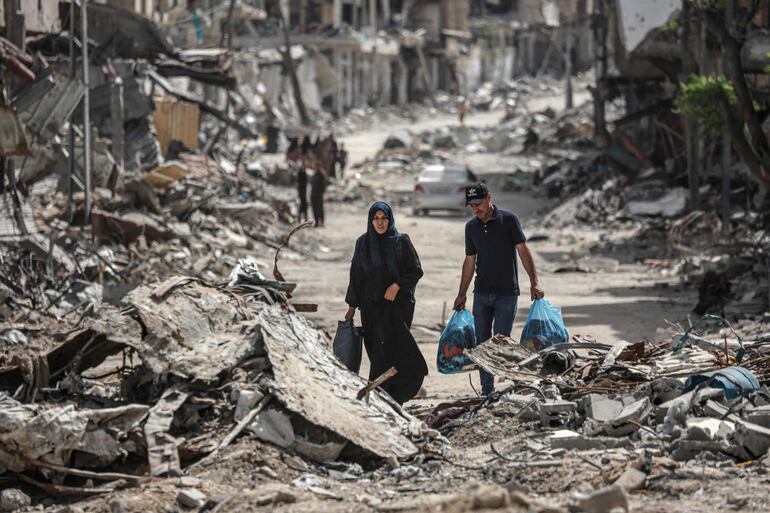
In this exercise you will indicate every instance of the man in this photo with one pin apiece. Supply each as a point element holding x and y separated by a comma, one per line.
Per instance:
<point>317,189</point>
<point>492,239</point>
<point>342,159</point>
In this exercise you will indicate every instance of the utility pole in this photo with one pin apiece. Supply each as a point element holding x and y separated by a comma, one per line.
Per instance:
<point>568,61</point>
<point>86,111</point>
<point>600,72</point>
<point>15,27</point>
<point>337,101</point>
<point>727,145</point>
<point>73,75</point>
<point>688,69</point>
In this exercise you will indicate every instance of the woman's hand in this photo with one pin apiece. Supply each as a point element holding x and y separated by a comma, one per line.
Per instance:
<point>390,294</point>
<point>350,313</point>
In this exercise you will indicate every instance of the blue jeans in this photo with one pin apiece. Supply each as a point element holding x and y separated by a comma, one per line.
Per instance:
<point>492,310</point>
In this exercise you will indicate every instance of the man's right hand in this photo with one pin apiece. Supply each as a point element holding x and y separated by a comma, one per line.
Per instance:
<point>460,302</point>
<point>350,313</point>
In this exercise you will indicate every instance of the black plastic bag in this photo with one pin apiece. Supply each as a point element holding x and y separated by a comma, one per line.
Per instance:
<point>347,345</point>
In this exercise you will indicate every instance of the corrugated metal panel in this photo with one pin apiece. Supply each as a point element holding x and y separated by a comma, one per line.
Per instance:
<point>47,116</point>
<point>177,120</point>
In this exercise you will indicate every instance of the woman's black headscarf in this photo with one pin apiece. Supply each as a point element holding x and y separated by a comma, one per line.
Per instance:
<point>372,249</point>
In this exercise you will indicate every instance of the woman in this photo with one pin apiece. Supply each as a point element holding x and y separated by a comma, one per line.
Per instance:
<point>383,275</point>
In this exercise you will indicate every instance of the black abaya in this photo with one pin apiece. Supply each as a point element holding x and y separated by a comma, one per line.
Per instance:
<point>386,324</point>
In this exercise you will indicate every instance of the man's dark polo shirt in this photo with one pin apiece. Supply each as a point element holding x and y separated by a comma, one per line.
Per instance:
<point>494,245</point>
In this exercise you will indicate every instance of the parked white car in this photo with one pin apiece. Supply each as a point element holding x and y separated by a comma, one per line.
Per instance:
<point>441,187</point>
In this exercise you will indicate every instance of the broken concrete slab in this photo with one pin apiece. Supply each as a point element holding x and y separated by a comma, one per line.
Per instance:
<point>571,440</point>
<point>708,429</point>
<point>627,420</point>
<point>753,437</point>
<point>557,413</point>
<point>601,408</point>
<point>759,415</point>
<point>632,479</point>
<point>195,331</point>
<point>311,382</point>
<point>191,498</point>
<point>605,500</point>
<point>685,450</point>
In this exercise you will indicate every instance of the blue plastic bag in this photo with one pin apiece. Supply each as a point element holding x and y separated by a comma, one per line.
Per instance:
<point>459,335</point>
<point>544,326</point>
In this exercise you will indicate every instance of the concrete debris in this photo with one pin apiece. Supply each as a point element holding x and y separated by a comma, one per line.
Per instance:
<point>755,439</point>
<point>708,429</point>
<point>571,440</point>
<point>632,480</point>
<point>557,413</point>
<point>600,408</point>
<point>153,357</point>
<point>191,498</point>
<point>13,499</point>
<point>605,500</point>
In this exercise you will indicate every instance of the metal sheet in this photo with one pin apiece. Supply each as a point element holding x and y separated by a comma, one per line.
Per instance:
<point>196,332</point>
<point>311,382</point>
<point>46,117</point>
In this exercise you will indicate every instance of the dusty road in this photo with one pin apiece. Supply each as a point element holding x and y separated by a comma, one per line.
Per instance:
<point>620,302</point>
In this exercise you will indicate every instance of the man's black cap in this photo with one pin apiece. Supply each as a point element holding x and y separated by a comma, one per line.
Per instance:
<point>475,193</point>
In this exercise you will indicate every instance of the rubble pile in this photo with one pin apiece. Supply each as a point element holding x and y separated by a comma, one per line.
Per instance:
<point>172,380</point>
<point>606,421</point>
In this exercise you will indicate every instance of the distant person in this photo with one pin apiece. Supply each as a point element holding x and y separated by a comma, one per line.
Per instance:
<point>342,159</point>
<point>492,239</point>
<point>383,275</point>
<point>302,192</point>
<point>462,109</point>
<point>317,190</point>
